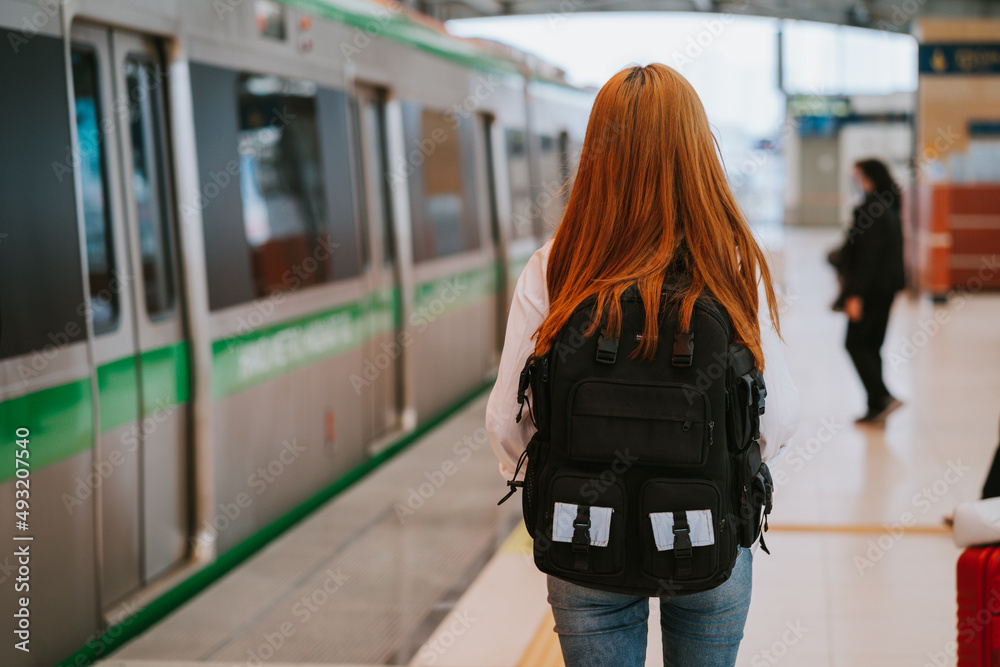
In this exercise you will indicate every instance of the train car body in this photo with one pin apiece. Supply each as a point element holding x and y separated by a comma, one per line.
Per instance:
<point>244,247</point>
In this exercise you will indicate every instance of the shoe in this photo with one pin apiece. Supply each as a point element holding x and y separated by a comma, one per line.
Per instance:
<point>869,418</point>
<point>874,417</point>
<point>891,405</point>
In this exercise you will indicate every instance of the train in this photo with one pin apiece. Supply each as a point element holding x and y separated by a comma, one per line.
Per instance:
<point>248,249</point>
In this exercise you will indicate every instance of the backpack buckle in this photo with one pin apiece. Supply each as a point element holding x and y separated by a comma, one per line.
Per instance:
<point>761,390</point>
<point>581,538</point>
<point>682,544</point>
<point>607,350</point>
<point>683,348</point>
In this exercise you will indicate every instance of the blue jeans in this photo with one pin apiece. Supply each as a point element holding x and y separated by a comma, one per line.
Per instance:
<point>601,629</point>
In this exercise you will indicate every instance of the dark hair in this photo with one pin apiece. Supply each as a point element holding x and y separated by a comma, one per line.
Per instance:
<point>876,172</point>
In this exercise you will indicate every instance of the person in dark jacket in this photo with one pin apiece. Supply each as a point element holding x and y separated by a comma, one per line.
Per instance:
<point>871,264</point>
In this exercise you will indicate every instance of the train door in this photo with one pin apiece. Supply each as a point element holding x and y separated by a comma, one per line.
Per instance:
<point>139,343</point>
<point>383,366</point>
<point>502,284</point>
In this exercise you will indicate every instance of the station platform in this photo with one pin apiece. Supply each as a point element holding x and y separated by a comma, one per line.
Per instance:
<point>416,565</point>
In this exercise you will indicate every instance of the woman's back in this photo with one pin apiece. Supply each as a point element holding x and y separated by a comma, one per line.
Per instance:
<point>650,196</point>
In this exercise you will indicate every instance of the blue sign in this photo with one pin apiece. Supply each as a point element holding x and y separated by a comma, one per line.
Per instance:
<point>959,59</point>
<point>984,128</point>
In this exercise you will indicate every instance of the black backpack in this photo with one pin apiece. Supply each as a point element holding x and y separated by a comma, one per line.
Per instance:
<point>644,476</point>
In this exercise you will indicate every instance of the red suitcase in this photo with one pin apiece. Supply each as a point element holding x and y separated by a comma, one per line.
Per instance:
<point>979,607</point>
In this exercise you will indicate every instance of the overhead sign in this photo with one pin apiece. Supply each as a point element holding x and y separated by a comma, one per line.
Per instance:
<point>984,128</point>
<point>959,59</point>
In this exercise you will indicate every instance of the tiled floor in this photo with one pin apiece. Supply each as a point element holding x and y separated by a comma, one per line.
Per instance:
<point>861,572</point>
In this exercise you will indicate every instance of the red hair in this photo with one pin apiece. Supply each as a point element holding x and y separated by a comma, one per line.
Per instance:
<point>650,189</point>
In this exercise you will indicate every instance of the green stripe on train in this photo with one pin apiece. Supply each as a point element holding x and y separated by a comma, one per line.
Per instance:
<point>60,418</point>
<point>166,378</point>
<point>118,391</point>
<point>392,22</point>
<point>165,382</point>
<point>437,297</point>
<point>60,422</point>
<point>258,355</point>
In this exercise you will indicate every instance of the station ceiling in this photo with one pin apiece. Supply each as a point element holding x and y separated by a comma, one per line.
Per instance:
<point>894,15</point>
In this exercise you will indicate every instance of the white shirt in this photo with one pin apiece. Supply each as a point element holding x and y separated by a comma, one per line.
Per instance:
<point>529,308</point>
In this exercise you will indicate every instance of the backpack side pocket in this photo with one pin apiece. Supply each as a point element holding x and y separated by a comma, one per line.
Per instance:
<point>754,490</point>
<point>529,499</point>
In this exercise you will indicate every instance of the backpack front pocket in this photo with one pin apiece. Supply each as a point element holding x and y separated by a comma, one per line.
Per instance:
<point>655,424</point>
<point>682,530</point>
<point>585,524</point>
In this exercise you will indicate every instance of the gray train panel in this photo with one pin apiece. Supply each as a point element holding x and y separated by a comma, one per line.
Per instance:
<point>120,514</point>
<point>167,489</point>
<point>62,593</point>
<point>271,445</point>
<point>452,357</point>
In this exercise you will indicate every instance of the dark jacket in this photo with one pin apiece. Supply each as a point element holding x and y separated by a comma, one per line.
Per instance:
<point>872,257</point>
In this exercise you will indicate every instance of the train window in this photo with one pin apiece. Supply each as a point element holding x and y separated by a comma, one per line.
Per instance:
<point>520,184</point>
<point>441,171</point>
<point>270,17</point>
<point>40,262</point>
<point>277,196</point>
<point>281,180</point>
<point>227,259</point>
<point>149,184</point>
<point>342,205</point>
<point>97,221</point>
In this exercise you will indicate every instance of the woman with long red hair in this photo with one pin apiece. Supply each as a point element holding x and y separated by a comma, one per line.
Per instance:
<point>650,198</point>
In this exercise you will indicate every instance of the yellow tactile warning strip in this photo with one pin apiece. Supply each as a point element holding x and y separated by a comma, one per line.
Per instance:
<point>543,651</point>
<point>518,542</point>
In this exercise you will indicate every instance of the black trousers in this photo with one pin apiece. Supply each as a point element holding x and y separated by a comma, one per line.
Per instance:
<point>864,344</point>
